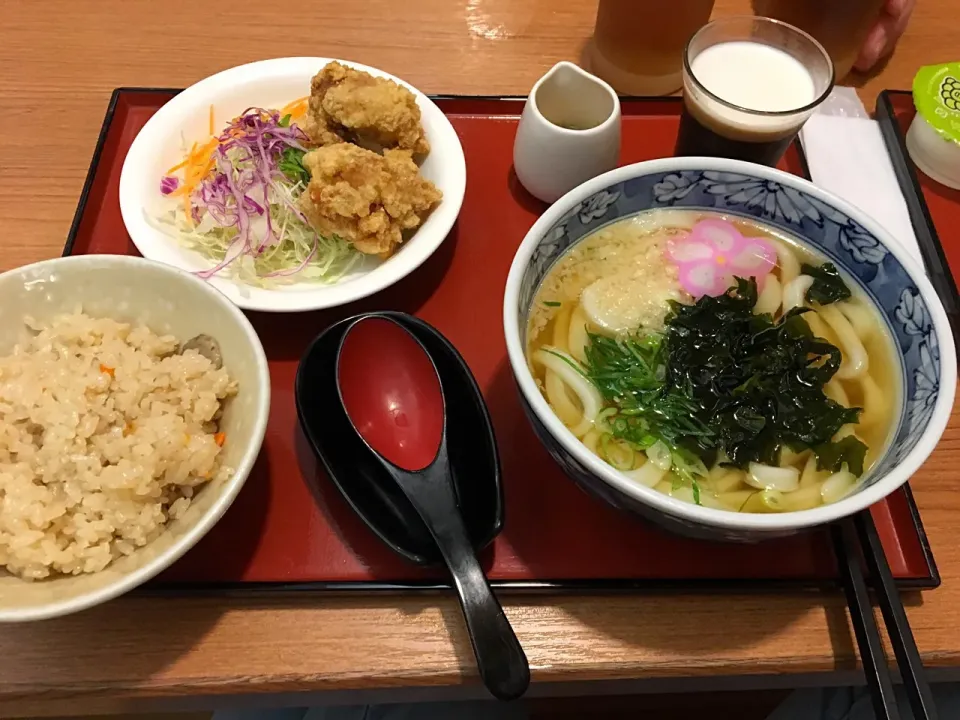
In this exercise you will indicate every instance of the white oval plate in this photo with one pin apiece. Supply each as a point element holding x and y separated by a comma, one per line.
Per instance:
<point>273,84</point>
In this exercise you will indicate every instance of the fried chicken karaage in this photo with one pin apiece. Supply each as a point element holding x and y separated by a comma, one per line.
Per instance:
<point>348,105</point>
<point>365,198</point>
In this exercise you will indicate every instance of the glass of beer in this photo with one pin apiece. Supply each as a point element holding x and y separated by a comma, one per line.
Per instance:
<point>841,27</point>
<point>637,47</point>
<point>749,84</point>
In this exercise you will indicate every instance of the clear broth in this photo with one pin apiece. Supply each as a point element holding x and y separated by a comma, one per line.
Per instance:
<point>638,242</point>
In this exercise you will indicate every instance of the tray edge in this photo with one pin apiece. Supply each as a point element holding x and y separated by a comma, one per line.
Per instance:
<point>928,239</point>
<point>91,172</point>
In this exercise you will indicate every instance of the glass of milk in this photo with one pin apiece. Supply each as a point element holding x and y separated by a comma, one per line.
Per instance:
<point>749,84</point>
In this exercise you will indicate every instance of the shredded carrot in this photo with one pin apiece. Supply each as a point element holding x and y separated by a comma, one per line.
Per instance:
<point>196,166</point>
<point>220,438</point>
<point>106,369</point>
<point>295,109</point>
<point>211,118</point>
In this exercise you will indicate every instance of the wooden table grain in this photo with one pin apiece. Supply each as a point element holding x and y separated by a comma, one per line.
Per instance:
<point>59,61</point>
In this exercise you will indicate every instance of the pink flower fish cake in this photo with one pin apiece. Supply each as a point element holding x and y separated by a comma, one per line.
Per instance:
<point>714,253</point>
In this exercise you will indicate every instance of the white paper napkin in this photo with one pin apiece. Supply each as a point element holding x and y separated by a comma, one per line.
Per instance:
<point>847,157</point>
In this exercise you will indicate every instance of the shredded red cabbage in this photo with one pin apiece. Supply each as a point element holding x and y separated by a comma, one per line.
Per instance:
<point>168,184</point>
<point>244,184</point>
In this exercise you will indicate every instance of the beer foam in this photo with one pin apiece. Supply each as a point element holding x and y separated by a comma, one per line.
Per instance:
<point>754,76</point>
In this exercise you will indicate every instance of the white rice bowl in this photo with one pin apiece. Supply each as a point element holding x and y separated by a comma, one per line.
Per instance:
<point>111,464</point>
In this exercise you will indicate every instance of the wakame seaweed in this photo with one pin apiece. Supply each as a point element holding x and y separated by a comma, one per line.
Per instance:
<point>722,379</point>
<point>832,455</point>
<point>828,287</point>
<point>756,383</point>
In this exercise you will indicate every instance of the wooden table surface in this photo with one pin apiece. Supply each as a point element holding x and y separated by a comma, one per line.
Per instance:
<point>59,61</point>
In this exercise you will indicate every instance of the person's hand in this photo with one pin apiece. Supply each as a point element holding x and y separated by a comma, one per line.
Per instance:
<point>884,34</point>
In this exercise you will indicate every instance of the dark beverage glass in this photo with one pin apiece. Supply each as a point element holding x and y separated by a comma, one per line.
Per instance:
<point>749,85</point>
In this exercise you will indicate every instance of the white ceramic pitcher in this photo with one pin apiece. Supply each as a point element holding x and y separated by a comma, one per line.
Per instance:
<point>569,132</point>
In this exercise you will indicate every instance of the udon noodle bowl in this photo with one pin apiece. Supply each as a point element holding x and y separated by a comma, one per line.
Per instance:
<point>716,360</point>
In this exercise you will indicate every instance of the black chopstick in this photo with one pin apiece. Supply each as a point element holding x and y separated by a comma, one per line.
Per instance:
<point>898,627</point>
<point>930,248</point>
<point>875,668</point>
<point>864,623</point>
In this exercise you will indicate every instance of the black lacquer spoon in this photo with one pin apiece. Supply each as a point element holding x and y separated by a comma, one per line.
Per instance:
<point>392,396</point>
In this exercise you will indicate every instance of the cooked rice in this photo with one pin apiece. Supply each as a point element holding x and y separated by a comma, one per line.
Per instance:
<point>105,434</point>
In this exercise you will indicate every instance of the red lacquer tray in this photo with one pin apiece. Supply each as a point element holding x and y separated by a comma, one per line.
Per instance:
<point>280,533</point>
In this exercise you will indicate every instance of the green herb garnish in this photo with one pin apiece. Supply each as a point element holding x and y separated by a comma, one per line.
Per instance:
<point>284,121</point>
<point>828,287</point>
<point>630,373</point>
<point>291,165</point>
<point>552,303</point>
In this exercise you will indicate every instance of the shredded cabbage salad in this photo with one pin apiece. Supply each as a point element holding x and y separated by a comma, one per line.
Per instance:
<point>238,205</point>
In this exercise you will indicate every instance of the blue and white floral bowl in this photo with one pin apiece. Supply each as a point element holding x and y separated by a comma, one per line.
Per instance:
<point>849,238</point>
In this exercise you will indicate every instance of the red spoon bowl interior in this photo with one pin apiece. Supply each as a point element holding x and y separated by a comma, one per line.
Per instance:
<point>360,476</point>
<point>391,392</point>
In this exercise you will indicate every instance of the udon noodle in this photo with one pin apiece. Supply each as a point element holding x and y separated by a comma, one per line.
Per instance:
<point>606,341</point>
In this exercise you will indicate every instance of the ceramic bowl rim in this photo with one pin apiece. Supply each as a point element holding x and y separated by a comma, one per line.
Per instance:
<point>131,265</point>
<point>701,515</point>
